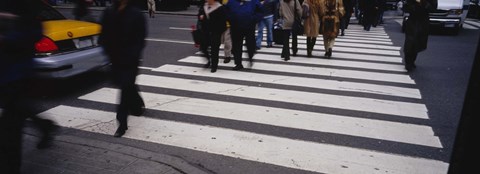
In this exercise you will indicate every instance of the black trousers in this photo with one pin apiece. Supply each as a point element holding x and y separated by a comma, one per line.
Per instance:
<point>237,43</point>
<point>345,20</point>
<point>286,43</point>
<point>212,41</point>
<point>17,106</point>
<point>130,99</point>
<point>311,42</point>
<point>410,58</point>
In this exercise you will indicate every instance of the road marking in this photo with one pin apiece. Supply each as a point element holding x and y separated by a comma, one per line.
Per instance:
<point>343,49</point>
<point>336,62</point>
<point>146,68</point>
<point>169,41</point>
<point>368,128</point>
<point>180,28</point>
<point>295,81</point>
<point>329,72</point>
<point>280,151</point>
<point>402,109</point>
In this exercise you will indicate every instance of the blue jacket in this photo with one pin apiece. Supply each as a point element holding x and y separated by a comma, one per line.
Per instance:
<point>244,14</point>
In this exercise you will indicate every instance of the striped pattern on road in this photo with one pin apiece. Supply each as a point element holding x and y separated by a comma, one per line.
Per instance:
<point>320,90</point>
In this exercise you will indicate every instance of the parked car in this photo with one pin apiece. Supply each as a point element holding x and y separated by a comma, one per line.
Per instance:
<point>450,14</point>
<point>68,47</point>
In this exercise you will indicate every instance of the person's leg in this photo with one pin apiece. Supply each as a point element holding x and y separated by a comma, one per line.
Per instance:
<point>261,27</point>
<point>294,44</point>
<point>269,22</point>
<point>286,44</point>
<point>237,44</point>
<point>216,40</point>
<point>250,40</point>
<point>309,43</point>
<point>227,45</point>
<point>410,58</point>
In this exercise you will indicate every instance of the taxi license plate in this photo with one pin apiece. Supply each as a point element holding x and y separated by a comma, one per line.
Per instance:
<point>83,42</point>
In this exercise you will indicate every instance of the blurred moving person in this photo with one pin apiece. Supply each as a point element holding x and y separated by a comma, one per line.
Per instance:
<point>19,31</point>
<point>123,39</point>
<point>417,29</point>
<point>269,8</point>
<point>367,8</point>
<point>287,12</point>
<point>332,11</point>
<point>227,41</point>
<point>151,8</point>
<point>345,20</point>
<point>243,16</point>
<point>212,17</point>
<point>311,12</point>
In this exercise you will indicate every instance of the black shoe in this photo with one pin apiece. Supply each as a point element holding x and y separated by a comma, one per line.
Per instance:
<point>213,70</point>
<point>250,62</point>
<point>48,129</point>
<point>227,59</point>
<point>269,46</point>
<point>120,132</point>
<point>238,67</point>
<point>294,53</point>
<point>309,53</point>
<point>207,65</point>
<point>138,112</point>
<point>287,58</point>
<point>257,48</point>
<point>343,34</point>
<point>330,52</point>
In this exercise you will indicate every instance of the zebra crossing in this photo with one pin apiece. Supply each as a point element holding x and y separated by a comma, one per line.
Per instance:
<point>362,109</point>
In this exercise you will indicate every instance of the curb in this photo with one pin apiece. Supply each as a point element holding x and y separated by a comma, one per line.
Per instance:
<point>176,163</point>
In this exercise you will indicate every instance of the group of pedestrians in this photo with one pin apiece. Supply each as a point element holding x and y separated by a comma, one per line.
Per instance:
<point>236,21</point>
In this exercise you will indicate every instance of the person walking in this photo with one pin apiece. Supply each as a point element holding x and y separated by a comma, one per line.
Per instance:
<point>269,8</point>
<point>243,16</point>
<point>367,8</point>
<point>19,31</point>
<point>151,8</point>
<point>332,11</point>
<point>227,41</point>
<point>123,39</point>
<point>287,12</point>
<point>311,13</point>
<point>212,18</point>
<point>345,20</point>
<point>417,29</point>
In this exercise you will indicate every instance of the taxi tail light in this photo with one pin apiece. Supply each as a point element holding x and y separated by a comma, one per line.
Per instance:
<point>46,45</point>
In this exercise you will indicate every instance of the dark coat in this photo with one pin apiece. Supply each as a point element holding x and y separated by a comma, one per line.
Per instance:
<point>215,23</point>
<point>244,14</point>
<point>123,35</point>
<point>417,25</point>
<point>17,42</point>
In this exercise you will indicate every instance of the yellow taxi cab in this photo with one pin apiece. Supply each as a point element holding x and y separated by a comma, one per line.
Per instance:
<point>68,47</point>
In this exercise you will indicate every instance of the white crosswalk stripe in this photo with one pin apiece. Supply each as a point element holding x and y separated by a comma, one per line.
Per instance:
<point>371,83</point>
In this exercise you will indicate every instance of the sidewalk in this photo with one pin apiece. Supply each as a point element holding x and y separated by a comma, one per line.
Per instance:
<point>74,154</point>
<point>191,11</point>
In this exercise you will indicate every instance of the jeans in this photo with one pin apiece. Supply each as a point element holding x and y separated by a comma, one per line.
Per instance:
<point>265,22</point>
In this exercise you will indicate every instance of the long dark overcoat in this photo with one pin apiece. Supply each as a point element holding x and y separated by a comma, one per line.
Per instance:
<point>417,25</point>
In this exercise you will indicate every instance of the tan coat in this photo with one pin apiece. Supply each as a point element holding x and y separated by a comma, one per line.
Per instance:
<point>334,14</point>
<point>312,23</point>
